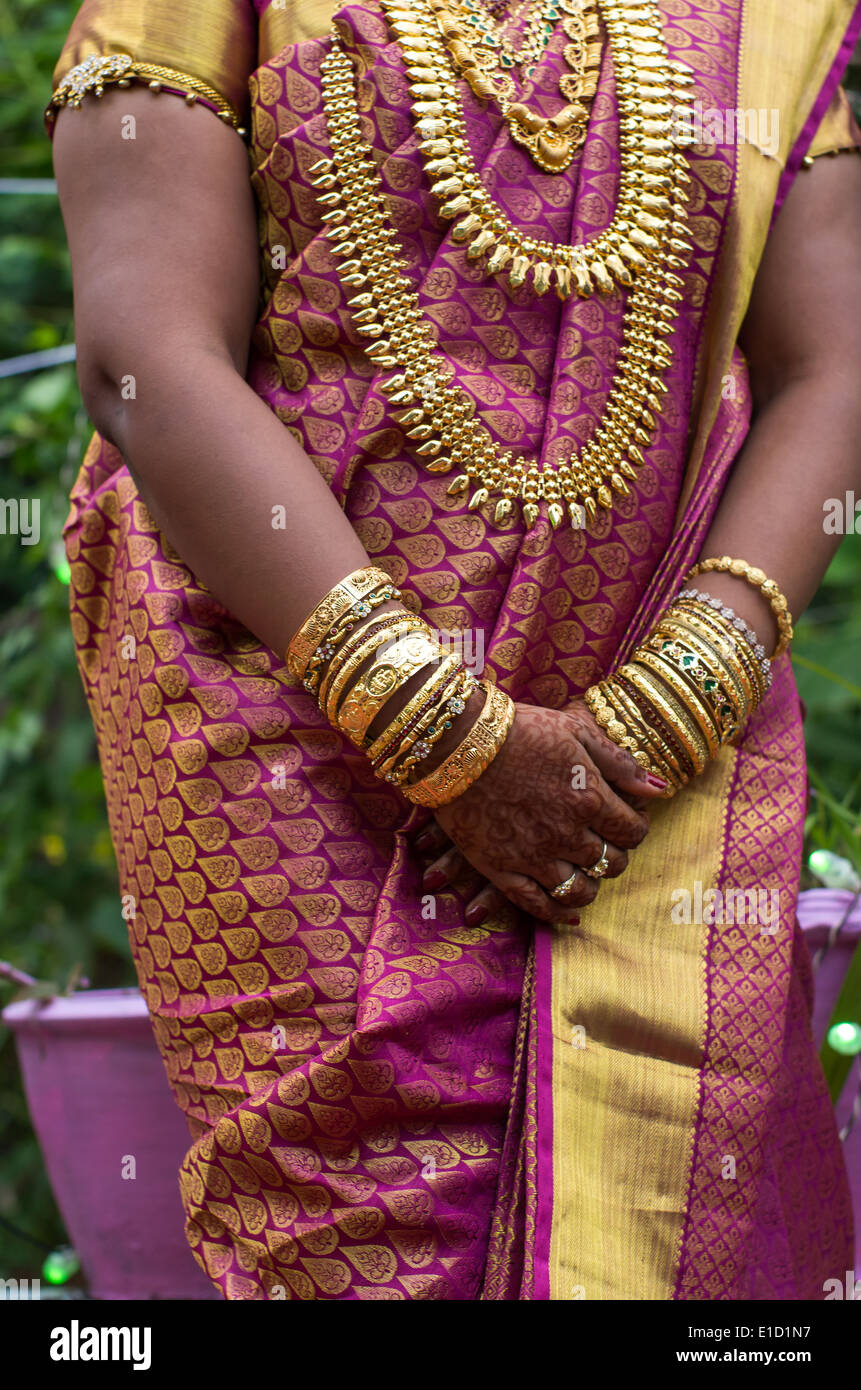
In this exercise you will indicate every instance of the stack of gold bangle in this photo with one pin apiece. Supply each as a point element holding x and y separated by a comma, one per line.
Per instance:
<point>690,687</point>
<point>354,668</point>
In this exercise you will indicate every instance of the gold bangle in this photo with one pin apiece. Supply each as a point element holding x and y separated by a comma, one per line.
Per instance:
<point>666,738</point>
<point>103,69</point>
<point>716,683</point>
<point>671,760</point>
<point>715,628</point>
<point>606,717</point>
<point>431,727</point>
<point>716,691</point>
<point>726,653</point>
<point>341,630</point>
<point>715,648</point>
<point>386,674</point>
<point>636,741</point>
<point>426,702</point>
<point>365,646</point>
<point>383,746</point>
<point>724,564</point>
<point>661,758</point>
<point>694,707</point>
<point>336,603</point>
<point>472,756</point>
<point>688,734</point>
<point>350,646</point>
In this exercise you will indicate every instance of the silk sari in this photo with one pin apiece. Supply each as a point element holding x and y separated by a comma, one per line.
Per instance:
<point>385,1103</point>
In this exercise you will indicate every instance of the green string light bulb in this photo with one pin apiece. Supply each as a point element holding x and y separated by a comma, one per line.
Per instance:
<point>61,1265</point>
<point>845,1038</point>
<point>833,871</point>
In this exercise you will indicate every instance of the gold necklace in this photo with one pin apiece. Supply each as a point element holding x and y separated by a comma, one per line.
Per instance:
<point>551,141</point>
<point>539,30</point>
<point>650,91</point>
<point>440,416</point>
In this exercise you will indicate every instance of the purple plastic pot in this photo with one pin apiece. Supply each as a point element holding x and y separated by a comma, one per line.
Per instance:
<point>820,912</point>
<point>101,1106</point>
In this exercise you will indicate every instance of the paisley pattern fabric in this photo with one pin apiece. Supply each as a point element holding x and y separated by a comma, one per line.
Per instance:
<point>362,1073</point>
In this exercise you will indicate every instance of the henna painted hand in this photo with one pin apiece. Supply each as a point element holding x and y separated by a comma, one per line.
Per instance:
<point>541,810</point>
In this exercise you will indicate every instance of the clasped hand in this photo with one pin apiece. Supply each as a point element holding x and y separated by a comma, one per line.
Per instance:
<point>556,792</point>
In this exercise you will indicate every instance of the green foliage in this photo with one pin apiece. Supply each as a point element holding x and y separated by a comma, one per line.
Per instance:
<point>59,903</point>
<point>827,663</point>
<point>59,906</point>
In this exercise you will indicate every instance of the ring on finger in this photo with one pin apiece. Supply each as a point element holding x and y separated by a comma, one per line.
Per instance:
<point>563,889</point>
<point>601,868</point>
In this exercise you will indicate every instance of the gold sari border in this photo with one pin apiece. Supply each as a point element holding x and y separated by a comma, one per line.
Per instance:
<point>628,1017</point>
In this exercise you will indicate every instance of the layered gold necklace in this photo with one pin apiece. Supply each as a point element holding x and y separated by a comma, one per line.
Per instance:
<point>646,239</point>
<point>485,64</point>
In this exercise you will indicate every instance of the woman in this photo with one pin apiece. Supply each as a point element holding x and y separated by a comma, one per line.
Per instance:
<point>476,1015</point>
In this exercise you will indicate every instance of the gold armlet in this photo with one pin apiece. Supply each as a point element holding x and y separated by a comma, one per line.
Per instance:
<point>809,159</point>
<point>99,70</point>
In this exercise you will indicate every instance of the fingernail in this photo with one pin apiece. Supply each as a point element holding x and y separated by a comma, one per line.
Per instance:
<point>654,781</point>
<point>474,916</point>
<point>433,879</point>
<point>425,840</point>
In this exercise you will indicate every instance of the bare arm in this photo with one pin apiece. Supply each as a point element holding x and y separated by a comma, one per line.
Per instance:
<point>802,339</point>
<point>163,240</point>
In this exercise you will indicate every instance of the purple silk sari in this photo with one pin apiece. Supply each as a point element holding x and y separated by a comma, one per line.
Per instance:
<point>368,1081</point>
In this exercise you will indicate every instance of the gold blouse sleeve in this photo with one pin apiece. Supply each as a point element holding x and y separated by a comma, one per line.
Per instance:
<point>286,22</point>
<point>205,48</point>
<point>838,130</point>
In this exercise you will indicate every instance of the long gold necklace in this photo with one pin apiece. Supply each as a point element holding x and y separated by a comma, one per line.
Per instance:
<point>551,141</point>
<point>650,88</point>
<point>439,415</point>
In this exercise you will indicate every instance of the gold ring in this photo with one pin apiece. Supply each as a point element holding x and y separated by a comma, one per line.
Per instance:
<point>600,869</point>
<point>563,889</point>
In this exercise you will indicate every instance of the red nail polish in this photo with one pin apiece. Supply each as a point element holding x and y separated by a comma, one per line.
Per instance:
<point>474,916</point>
<point>424,841</point>
<point>433,879</point>
<point>656,781</point>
